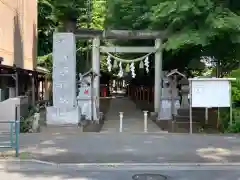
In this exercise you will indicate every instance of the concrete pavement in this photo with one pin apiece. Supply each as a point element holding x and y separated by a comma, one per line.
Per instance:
<point>133,118</point>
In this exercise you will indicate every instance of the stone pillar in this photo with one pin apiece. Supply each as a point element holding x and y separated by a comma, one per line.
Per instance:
<point>184,93</point>
<point>158,75</point>
<point>165,109</point>
<point>174,95</point>
<point>64,70</point>
<point>96,66</point>
<point>64,109</point>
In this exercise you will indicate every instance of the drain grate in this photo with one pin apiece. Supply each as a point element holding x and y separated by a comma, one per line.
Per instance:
<point>149,177</point>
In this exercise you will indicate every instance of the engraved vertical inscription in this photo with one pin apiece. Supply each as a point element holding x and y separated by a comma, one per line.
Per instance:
<point>64,70</point>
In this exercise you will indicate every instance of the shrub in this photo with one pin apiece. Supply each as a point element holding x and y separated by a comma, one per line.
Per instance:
<point>234,128</point>
<point>224,112</point>
<point>26,122</point>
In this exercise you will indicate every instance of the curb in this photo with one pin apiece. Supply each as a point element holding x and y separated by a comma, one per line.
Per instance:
<point>119,164</point>
<point>36,165</point>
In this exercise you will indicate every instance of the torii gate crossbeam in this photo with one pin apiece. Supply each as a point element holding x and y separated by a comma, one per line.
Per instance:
<point>97,35</point>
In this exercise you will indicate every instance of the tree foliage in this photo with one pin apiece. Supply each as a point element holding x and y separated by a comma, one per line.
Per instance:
<point>195,28</point>
<point>56,15</point>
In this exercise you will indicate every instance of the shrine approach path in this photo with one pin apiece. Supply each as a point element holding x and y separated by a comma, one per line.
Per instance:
<point>133,118</point>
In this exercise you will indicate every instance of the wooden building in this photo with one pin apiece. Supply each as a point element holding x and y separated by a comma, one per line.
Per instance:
<point>18,48</point>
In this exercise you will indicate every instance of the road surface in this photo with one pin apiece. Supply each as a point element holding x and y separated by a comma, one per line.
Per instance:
<point>131,148</point>
<point>40,171</point>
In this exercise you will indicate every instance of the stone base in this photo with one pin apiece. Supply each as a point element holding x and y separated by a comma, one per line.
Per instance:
<point>165,125</point>
<point>62,116</point>
<point>94,126</point>
<point>153,116</point>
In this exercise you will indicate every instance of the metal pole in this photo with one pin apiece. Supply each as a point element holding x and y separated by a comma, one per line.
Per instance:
<point>17,130</point>
<point>11,133</point>
<point>16,83</point>
<point>33,89</point>
<point>121,121</point>
<point>231,111</point>
<point>172,98</point>
<point>206,115</point>
<point>190,108</point>
<point>92,97</point>
<point>145,121</point>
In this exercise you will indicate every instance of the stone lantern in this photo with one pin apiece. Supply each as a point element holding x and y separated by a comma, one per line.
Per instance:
<point>86,98</point>
<point>173,77</point>
<point>170,100</point>
<point>185,93</point>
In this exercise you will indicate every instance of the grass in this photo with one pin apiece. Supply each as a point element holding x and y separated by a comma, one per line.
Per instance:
<point>11,154</point>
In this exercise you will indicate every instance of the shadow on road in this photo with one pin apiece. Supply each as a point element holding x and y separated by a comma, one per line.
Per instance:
<point>131,148</point>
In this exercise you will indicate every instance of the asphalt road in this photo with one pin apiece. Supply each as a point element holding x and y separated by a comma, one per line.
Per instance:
<point>39,171</point>
<point>132,148</point>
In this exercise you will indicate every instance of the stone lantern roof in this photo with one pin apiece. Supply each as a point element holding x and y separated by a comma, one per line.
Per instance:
<point>175,72</point>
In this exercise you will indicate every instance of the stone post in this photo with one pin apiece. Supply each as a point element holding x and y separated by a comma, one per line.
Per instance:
<point>184,93</point>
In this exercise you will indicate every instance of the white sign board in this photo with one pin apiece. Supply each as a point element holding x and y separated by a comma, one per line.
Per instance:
<point>211,92</point>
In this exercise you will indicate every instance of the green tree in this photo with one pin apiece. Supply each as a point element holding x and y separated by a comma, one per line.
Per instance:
<point>195,28</point>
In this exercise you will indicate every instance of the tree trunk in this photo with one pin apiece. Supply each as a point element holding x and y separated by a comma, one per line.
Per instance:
<point>69,25</point>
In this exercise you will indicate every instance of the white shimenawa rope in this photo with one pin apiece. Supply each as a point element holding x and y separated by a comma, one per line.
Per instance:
<point>145,58</point>
<point>128,60</point>
<point>131,62</point>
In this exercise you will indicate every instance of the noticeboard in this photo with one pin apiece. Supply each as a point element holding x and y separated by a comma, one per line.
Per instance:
<point>211,93</point>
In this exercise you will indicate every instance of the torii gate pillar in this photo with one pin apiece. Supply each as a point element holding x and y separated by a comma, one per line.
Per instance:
<point>158,75</point>
<point>96,66</point>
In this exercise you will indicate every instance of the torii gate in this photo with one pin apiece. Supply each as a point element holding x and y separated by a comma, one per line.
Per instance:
<point>97,35</point>
<point>65,109</point>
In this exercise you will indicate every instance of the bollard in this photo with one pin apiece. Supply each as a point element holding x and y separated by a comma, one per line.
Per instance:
<point>121,121</point>
<point>145,120</point>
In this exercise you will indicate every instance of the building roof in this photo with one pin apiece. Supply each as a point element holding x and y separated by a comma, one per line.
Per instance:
<point>42,70</point>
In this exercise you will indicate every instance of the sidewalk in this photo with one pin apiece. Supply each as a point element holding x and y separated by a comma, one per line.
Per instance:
<point>133,118</point>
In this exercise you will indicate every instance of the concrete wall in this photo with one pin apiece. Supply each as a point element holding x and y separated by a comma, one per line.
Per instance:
<point>18,33</point>
<point>8,109</point>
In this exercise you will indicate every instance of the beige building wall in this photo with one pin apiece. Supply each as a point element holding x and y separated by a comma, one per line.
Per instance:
<point>18,33</point>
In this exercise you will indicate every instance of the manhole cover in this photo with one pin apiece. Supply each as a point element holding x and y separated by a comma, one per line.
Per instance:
<point>149,177</point>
